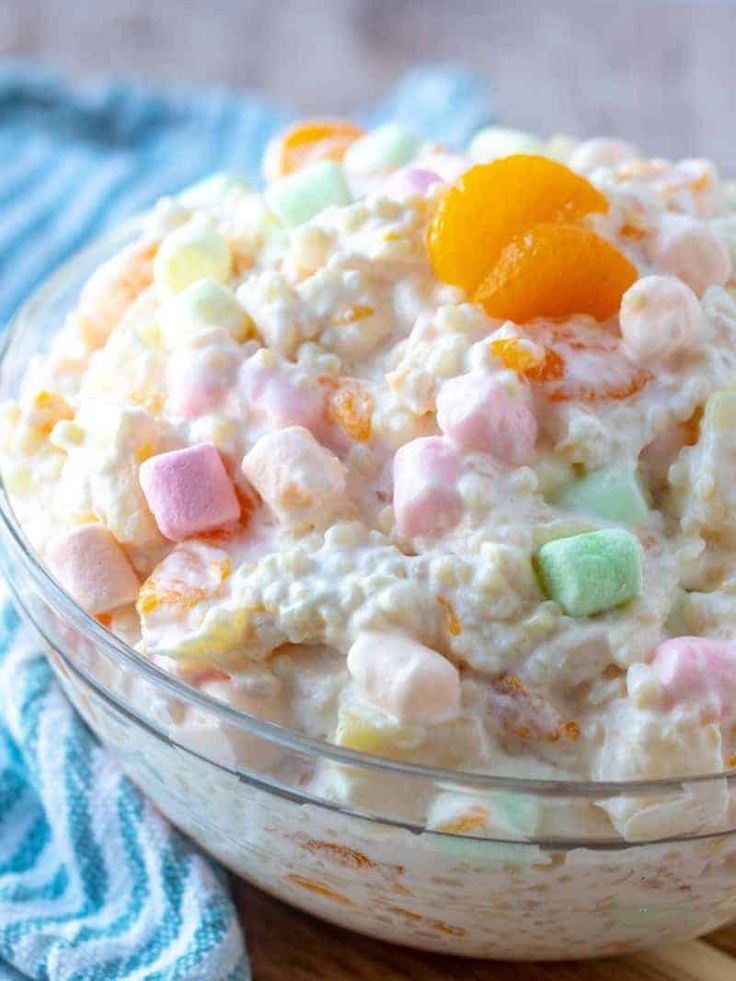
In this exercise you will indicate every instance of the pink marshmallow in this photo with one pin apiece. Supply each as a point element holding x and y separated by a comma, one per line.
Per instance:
<point>405,679</point>
<point>426,498</point>
<point>448,166</point>
<point>302,482</point>
<point>189,491</point>
<point>196,388</point>
<point>479,413</point>
<point>276,396</point>
<point>684,247</point>
<point>411,180</point>
<point>698,671</point>
<point>94,569</point>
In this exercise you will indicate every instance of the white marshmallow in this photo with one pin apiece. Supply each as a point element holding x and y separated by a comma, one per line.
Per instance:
<point>426,496</point>
<point>405,679</point>
<point>684,247</point>
<point>659,316</point>
<point>301,481</point>
<point>94,569</point>
<point>494,142</point>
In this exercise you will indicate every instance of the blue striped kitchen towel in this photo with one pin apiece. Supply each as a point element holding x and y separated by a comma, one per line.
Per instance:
<point>94,884</point>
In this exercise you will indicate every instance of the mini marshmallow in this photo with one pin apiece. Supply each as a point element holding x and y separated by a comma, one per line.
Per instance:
<point>478,412</point>
<point>592,572</point>
<point>598,152</point>
<point>614,494</point>
<point>426,497</point>
<point>449,167</point>
<point>494,142</point>
<point>201,732</point>
<point>207,303</point>
<point>190,253</point>
<point>198,380</point>
<point>686,248</point>
<point>258,693</point>
<point>659,315</point>
<point>410,180</point>
<point>94,569</point>
<point>482,814</point>
<point>189,491</point>
<point>698,672</point>
<point>300,196</point>
<point>273,393</point>
<point>390,145</point>
<point>405,679</point>
<point>301,481</point>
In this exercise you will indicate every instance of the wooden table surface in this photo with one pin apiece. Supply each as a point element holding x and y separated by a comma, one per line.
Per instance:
<point>287,945</point>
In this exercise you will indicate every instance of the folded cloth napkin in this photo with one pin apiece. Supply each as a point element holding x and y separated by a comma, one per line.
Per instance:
<point>94,884</point>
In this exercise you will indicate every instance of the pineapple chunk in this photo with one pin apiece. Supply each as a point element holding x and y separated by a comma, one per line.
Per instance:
<point>368,731</point>
<point>704,475</point>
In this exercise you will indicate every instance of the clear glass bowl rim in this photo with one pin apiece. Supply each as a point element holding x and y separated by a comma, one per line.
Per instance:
<point>128,658</point>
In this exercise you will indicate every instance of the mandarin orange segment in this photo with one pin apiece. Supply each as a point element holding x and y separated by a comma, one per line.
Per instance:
<point>581,362</point>
<point>311,140</point>
<point>564,393</point>
<point>550,368</point>
<point>556,270</point>
<point>352,409</point>
<point>491,203</point>
<point>515,356</point>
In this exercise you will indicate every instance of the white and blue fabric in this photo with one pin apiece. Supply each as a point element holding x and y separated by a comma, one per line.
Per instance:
<point>94,884</point>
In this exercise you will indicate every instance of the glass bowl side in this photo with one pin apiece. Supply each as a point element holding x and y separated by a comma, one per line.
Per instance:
<point>346,836</point>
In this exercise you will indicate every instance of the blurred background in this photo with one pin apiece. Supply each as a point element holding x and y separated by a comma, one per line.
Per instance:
<point>660,73</point>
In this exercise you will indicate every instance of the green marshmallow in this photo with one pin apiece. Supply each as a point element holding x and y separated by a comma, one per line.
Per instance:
<point>589,573</point>
<point>212,189</point>
<point>485,852</point>
<point>391,145</point>
<point>522,814</point>
<point>207,303</point>
<point>298,197</point>
<point>613,494</point>
<point>512,816</point>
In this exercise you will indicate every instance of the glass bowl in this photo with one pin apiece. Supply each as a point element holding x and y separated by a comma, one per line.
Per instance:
<point>359,852</point>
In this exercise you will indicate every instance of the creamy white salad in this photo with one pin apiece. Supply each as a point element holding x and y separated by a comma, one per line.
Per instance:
<point>296,449</point>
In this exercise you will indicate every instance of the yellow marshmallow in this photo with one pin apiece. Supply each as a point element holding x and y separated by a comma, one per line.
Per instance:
<point>191,253</point>
<point>207,303</point>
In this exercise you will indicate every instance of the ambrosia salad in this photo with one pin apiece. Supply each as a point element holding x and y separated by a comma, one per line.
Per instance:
<point>427,455</point>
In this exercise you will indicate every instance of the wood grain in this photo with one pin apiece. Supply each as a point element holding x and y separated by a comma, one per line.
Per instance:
<point>287,945</point>
<point>661,73</point>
